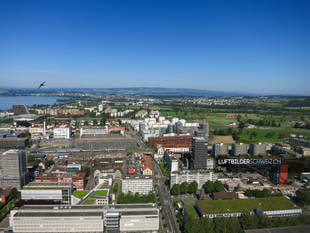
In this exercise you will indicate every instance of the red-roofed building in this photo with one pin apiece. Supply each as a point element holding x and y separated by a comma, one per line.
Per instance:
<point>146,165</point>
<point>78,179</point>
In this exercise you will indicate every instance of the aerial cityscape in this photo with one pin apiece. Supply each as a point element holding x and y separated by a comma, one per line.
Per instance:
<point>155,116</point>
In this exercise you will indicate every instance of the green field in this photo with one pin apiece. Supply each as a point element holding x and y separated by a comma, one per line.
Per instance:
<point>79,194</point>
<point>245,136</point>
<point>244,205</point>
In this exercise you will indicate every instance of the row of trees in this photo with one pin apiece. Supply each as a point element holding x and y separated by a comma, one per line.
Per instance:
<point>130,198</point>
<point>238,225</point>
<point>263,122</point>
<point>184,188</point>
<point>164,168</point>
<point>261,193</point>
<point>211,187</point>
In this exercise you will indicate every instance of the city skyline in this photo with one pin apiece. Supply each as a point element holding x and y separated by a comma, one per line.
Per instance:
<point>258,47</point>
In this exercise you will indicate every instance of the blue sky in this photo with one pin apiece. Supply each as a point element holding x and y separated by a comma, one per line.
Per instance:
<point>251,46</point>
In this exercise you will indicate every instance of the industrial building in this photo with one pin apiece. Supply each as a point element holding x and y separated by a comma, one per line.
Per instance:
<point>93,131</point>
<point>85,218</point>
<point>13,171</point>
<point>171,141</point>
<point>219,149</point>
<point>115,142</point>
<point>48,191</point>
<point>63,132</point>
<point>201,177</point>
<point>199,152</point>
<point>142,185</point>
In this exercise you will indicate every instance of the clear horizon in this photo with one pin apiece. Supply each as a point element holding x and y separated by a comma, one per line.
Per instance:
<point>254,47</point>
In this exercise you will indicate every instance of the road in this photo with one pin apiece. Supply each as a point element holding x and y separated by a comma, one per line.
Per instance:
<point>165,199</point>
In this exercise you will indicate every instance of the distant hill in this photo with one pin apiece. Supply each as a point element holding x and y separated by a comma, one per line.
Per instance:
<point>142,91</point>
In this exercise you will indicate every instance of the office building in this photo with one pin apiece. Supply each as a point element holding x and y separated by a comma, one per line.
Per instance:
<point>258,149</point>
<point>48,191</point>
<point>13,171</point>
<point>85,218</point>
<point>63,132</point>
<point>142,185</point>
<point>239,149</point>
<point>201,177</point>
<point>210,163</point>
<point>178,127</point>
<point>174,165</point>
<point>219,149</point>
<point>199,152</point>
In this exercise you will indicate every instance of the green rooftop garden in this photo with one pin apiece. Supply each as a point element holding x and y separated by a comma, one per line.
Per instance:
<point>79,194</point>
<point>89,201</point>
<point>101,193</point>
<point>244,205</point>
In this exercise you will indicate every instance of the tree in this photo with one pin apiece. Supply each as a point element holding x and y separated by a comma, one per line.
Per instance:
<point>218,186</point>
<point>208,187</point>
<point>303,196</point>
<point>13,193</point>
<point>115,188</point>
<point>30,159</point>
<point>184,188</point>
<point>176,189</point>
<point>193,187</point>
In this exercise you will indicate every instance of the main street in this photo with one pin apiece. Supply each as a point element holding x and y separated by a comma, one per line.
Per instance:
<point>165,200</point>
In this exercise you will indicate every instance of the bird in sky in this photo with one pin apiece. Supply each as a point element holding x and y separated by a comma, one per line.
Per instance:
<point>42,85</point>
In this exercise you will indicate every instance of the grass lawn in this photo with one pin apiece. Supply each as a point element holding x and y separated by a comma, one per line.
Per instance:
<point>191,211</point>
<point>100,193</point>
<point>79,194</point>
<point>244,205</point>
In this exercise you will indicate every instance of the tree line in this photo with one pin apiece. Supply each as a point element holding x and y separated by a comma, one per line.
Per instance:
<point>184,188</point>
<point>131,198</point>
<point>238,225</point>
<point>210,187</point>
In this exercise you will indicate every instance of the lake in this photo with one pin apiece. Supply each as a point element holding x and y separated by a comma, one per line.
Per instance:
<point>6,102</point>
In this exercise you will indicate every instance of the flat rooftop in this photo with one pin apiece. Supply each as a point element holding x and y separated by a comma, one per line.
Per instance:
<point>57,214</point>
<point>90,207</point>
<point>245,205</point>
